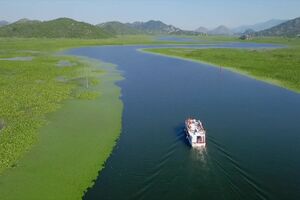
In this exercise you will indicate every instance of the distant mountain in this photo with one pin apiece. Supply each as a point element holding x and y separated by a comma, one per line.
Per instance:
<point>154,27</point>
<point>3,23</point>
<point>26,21</point>
<point>150,27</point>
<point>290,28</point>
<point>201,30</point>
<point>249,31</point>
<point>259,26</point>
<point>58,28</point>
<point>119,28</point>
<point>220,30</point>
<point>185,32</point>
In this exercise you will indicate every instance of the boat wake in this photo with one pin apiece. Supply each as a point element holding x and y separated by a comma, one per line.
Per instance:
<point>211,167</point>
<point>240,181</point>
<point>154,173</point>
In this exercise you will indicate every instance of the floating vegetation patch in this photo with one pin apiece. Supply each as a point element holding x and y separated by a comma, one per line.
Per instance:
<point>97,71</point>
<point>87,95</point>
<point>94,81</point>
<point>28,91</point>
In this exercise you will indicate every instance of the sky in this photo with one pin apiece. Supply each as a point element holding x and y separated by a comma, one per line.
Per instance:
<point>185,14</point>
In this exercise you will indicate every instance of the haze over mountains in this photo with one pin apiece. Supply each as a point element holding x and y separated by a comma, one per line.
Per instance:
<point>3,23</point>
<point>223,30</point>
<point>150,27</point>
<point>259,26</point>
<point>220,30</point>
<point>289,28</point>
<point>202,29</point>
<point>69,28</point>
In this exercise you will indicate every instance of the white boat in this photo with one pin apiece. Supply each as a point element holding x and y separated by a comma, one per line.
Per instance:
<point>195,132</point>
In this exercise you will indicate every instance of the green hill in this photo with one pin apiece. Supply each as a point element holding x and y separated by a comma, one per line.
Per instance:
<point>57,28</point>
<point>151,27</point>
<point>119,28</point>
<point>154,27</point>
<point>290,28</point>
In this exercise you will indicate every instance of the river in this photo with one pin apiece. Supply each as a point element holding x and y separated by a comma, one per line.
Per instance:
<point>253,131</point>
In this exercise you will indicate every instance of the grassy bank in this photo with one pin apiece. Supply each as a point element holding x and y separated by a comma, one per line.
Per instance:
<point>277,66</point>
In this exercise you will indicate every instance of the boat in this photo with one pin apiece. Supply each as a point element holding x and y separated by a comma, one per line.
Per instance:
<point>195,132</point>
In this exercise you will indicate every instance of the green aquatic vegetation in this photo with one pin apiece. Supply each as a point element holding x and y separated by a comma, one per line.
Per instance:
<point>94,81</point>
<point>2,124</point>
<point>72,147</point>
<point>28,91</point>
<point>53,144</point>
<point>31,89</point>
<point>277,66</point>
<point>87,95</point>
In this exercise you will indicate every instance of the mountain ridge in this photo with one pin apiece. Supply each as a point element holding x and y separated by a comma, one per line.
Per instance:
<point>289,28</point>
<point>148,27</point>
<point>220,30</point>
<point>259,26</point>
<point>56,28</point>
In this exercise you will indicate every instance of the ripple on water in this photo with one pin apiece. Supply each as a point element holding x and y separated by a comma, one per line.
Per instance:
<point>236,175</point>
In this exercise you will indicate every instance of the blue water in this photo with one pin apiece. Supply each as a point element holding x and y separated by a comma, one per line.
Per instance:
<point>253,132</point>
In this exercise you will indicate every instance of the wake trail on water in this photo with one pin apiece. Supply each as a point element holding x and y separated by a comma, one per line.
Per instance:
<point>235,174</point>
<point>158,167</point>
<point>213,164</point>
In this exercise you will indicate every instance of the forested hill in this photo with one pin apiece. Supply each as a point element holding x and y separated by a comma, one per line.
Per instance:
<point>57,28</point>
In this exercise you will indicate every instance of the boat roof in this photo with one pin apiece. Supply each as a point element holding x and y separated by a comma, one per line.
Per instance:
<point>194,124</point>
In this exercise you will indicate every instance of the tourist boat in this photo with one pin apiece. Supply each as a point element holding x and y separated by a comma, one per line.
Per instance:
<point>195,132</point>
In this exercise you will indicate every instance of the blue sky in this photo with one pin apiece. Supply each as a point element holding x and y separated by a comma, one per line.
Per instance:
<point>186,14</point>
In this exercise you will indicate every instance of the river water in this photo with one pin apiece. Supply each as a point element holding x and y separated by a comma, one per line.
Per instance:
<point>253,132</point>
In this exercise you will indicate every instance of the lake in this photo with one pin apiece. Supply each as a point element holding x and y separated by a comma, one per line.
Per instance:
<point>253,131</point>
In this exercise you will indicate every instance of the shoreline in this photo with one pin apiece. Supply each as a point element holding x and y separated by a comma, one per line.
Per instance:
<point>232,69</point>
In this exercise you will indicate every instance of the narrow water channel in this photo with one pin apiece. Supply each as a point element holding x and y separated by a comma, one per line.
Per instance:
<point>253,132</point>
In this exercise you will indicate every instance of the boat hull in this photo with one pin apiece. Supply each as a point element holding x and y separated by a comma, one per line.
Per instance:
<point>194,144</point>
